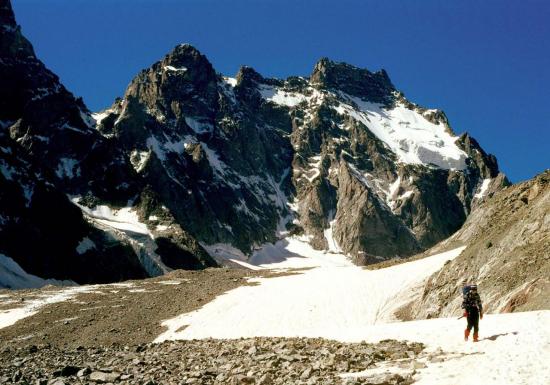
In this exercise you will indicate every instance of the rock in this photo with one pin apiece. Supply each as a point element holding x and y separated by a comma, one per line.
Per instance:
<point>83,372</point>
<point>57,381</point>
<point>196,362</point>
<point>16,376</point>
<point>306,373</point>
<point>265,379</point>
<point>103,377</point>
<point>67,371</point>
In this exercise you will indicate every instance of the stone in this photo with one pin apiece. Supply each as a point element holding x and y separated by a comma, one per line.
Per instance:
<point>103,377</point>
<point>83,372</point>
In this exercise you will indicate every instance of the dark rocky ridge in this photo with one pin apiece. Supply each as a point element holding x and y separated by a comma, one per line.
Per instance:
<point>375,87</point>
<point>50,149</point>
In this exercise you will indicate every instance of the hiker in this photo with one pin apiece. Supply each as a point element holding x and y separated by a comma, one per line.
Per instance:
<point>473,310</point>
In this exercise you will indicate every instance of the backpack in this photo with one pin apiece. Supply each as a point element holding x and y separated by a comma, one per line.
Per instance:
<point>468,298</point>
<point>466,290</point>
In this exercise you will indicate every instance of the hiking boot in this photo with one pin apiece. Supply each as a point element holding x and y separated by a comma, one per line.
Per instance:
<point>475,337</point>
<point>466,334</point>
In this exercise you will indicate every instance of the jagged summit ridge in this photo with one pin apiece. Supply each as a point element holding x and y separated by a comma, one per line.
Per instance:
<point>294,155</point>
<point>370,86</point>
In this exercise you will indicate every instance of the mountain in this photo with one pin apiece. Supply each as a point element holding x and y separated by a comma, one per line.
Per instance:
<point>189,163</point>
<point>50,152</point>
<point>507,254</point>
<point>341,158</point>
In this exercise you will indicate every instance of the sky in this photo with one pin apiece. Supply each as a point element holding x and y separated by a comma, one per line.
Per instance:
<point>485,63</point>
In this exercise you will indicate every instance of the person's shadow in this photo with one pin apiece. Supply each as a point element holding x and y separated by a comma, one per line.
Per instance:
<point>494,337</point>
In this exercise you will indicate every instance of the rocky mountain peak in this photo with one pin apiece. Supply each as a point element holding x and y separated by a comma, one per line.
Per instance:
<point>248,75</point>
<point>182,82</point>
<point>186,58</point>
<point>374,87</point>
<point>487,163</point>
<point>199,162</point>
<point>12,43</point>
<point>7,17</point>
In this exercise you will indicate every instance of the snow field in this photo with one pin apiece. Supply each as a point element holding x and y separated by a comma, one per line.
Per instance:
<point>334,299</point>
<point>33,306</point>
<point>332,296</point>
<point>125,219</point>
<point>514,348</point>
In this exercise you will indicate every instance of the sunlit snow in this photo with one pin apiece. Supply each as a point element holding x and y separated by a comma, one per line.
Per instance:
<point>483,188</point>
<point>280,97</point>
<point>334,299</point>
<point>407,133</point>
<point>125,218</point>
<point>175,69</point>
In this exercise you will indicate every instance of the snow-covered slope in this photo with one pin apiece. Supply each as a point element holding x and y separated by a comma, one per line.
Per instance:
<point>333,295</point>
<point>334,299</point>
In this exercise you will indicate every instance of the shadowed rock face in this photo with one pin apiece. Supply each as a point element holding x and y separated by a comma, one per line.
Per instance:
<point>49,148</point>
<point>341,158</point>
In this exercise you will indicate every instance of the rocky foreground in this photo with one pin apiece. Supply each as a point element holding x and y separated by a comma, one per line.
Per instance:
<point>124,313</point>
<point>246,361</point>
<point>103,334</point>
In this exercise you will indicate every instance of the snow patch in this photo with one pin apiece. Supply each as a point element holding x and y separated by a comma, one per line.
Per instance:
<point>231,81</point>
<point>217,165</point>
<point>161,148</point>
<point>224,251</point>
<point>329,236</point>
<point>125,219</point>
<point>280,97</point>
<point>85,245</point>
<point>7,170</point>
<point>175,69</point>
<point>67,168</point>
<point>99,116</point>
<point>88,119</point>
<point>200,127</point>
<point>483,188</point>
<point>408,134</point>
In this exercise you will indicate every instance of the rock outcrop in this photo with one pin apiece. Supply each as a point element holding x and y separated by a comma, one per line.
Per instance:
<point>49,151</point>
<point>507,254</point>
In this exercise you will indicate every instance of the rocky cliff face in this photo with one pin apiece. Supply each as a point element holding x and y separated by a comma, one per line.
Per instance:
<point>189,159</point>
<point>507,254</point>
<point>50,150</point>
<point>341,157</point>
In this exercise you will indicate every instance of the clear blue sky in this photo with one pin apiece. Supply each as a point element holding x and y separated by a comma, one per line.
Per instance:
<point>485,63</point>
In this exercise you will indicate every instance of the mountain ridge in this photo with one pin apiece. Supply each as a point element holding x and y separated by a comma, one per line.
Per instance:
<point>189,159</point>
